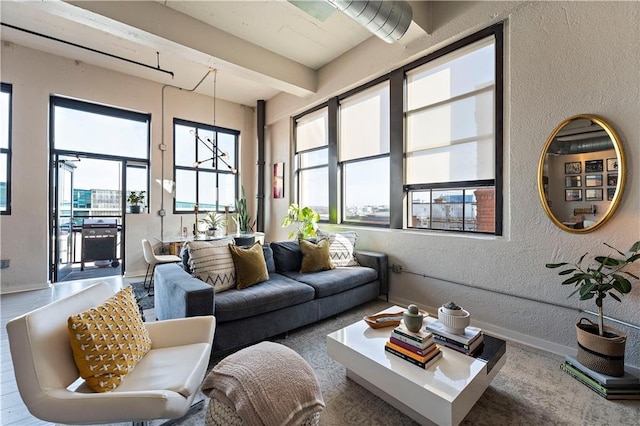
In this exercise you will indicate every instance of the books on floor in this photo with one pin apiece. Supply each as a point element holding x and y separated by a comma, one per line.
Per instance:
<point>419,348</point>
<point>469,343</point>
<point>609,387</point>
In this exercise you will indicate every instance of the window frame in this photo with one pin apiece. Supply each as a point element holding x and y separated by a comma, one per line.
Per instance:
<point>8,88</point>
<point>214,171</point>
<point>400,192</point>
<point>344,163</point>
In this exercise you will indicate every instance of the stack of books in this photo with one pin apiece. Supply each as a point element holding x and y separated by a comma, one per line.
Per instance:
<point>469,343</point>
<point>609,387</point>
<point>418,348</point>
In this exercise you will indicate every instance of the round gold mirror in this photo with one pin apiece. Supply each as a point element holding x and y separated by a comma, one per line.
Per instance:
<point>581,173</point>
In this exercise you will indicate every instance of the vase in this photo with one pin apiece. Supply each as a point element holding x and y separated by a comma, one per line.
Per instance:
<point>604,354</point>
<point>135,209</point>
<point>454,320</point>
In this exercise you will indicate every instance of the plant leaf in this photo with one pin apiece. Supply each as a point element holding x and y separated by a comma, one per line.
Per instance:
<point>555,265</point>
<point>621,284</point>
<point>613,248</point>
<point>567,272</point>
<point>573,279</point>
<point>635,247</point>
<point>589,296</point>
<point>615,297</point>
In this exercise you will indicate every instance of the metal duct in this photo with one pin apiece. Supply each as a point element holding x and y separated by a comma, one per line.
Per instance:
<point>582,146</point>
<point>388,20</point>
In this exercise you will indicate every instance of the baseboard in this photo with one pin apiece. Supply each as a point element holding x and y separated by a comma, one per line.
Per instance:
<point>512,336</point>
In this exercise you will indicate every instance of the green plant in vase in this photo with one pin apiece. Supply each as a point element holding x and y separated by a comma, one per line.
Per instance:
<point>601,348</point>
<point>242,218</point>
<point>135,198</point>
<point>213,221</point>
<point>305,219</point>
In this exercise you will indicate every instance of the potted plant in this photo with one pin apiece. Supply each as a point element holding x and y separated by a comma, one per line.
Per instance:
<point>601,348</point>
<point>242,218</point>
<point>305,219</point>
<point>213,221</point>
<point>135,198</point>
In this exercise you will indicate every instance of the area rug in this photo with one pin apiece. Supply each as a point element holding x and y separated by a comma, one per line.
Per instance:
<point>529,390</point>
<point>143,295</point>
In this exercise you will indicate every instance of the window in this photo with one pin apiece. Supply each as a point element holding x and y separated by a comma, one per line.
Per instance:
<point>111,138</point>
<point>450,140</point>
<point>420,147</point>
<point>312,159</point>
<point>363,148</point>
<point>5,149</point>
<point>205,167</point>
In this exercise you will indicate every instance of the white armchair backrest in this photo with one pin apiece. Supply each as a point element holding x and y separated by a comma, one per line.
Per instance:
<point>40,348</point>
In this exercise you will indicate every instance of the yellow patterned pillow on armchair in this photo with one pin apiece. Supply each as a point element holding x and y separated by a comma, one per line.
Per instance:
<point>108,340</point>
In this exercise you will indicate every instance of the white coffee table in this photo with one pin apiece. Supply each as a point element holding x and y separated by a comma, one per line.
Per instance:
<point>442,394</point>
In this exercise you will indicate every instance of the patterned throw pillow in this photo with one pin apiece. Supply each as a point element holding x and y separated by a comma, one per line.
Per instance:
<point>211,262</point>
<point>342,248</point>
<point>251,268</point>
<point>315,257</point>
<point>108,340</point>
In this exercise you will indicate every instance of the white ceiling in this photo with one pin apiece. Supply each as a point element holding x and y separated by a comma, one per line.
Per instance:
<point>259,48</point>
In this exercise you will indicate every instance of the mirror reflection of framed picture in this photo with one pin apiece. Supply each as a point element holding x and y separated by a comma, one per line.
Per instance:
<point>612,179</point>
<point>573,194</point>
<point>278,180</point>
<point>573,181</point>
<point>593,194</point>
<point>593,180</point>
<point>610,193</point>
<point>592,166</point>
<point>612,164</point>
<point>573,168</point>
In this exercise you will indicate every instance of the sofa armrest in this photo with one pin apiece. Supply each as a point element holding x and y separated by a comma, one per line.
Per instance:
<point>179,295</point>
<point>379,262</point>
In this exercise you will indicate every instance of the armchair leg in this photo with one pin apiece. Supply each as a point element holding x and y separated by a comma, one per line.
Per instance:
<point>198,406</point>
<point>144,283</point>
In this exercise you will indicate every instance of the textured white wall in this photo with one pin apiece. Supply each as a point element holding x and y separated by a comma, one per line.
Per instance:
<point>36,75</point>
<point>561,59</point>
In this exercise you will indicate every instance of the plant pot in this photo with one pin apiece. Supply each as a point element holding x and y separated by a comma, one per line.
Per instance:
<point>604,354</point>
<point>210,232</point>
<point>135,209</point>
<point>456,322</point>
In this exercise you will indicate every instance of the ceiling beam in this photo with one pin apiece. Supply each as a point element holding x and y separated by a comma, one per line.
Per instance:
<point>157,26</point>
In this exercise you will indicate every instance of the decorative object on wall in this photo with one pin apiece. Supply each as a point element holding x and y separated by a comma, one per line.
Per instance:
<point>612,164</point>
<point>573,168</point>
<point>612,179</point>
<point>592,166</point>
<point>593,180</point>
<point>593,194</point>
<point>601,348</point>
<point>560,169</point>
<point>573,195</point>
<point>278,180</point>
<point>573,181</point>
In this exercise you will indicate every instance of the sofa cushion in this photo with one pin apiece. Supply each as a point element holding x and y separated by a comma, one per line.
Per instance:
<point>287,255</point>
<point>211,262</point>
<point>268,258</point>
<point>276,293</point>
<point>184,256</point>
<point>315,256</point>
<point>342,248</point>
<point>251,267</point>
<point>108,340</point>
<point>327,283</point>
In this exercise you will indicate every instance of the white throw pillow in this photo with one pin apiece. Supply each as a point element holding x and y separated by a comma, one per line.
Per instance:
<point>211,262</point>
<point>342,247</point>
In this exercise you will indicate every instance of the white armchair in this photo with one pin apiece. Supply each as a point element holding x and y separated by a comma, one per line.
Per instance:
<point>161,386</point>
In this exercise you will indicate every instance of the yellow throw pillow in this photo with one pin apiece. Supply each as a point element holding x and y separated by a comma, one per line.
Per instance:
<point>109,340</point>
<point>251,268</point>
<point>315,257</point>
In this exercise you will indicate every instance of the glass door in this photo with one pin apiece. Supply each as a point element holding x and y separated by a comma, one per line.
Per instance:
<point>62,230</point>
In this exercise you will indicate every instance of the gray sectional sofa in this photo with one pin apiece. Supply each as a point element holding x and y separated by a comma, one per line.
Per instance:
<point>287,300</point>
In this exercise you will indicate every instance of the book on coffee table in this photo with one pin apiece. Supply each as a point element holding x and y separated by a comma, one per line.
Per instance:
<point>470,333</point>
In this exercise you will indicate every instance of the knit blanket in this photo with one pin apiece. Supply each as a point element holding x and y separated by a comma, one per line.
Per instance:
<point>267,384</point>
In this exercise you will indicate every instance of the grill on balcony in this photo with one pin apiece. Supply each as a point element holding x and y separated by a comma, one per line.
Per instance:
<point>99,240</point>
